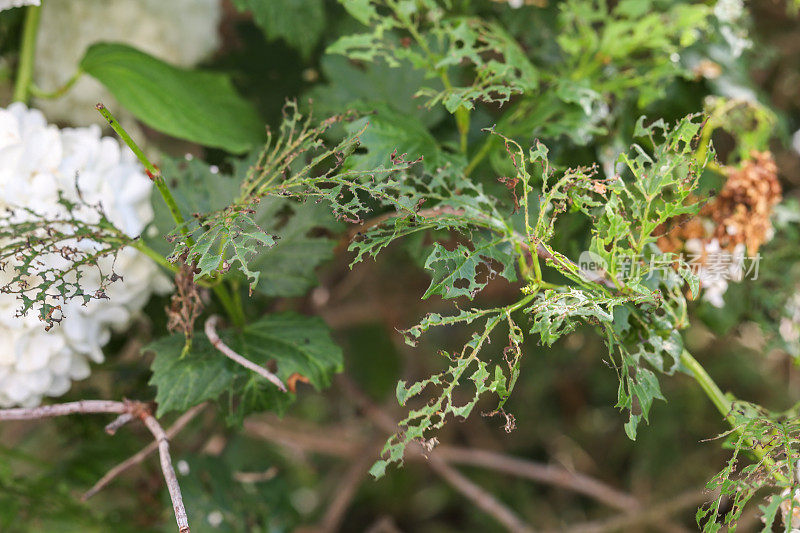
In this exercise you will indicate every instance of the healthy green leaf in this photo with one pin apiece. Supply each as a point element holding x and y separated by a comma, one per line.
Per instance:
<point>288,268</point>
<point>298,22</point>
<point>300,346</point>
<point>202,107</point>
<point>182,382</point>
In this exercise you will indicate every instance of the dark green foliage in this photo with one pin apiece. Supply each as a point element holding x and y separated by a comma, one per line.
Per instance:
<point>297,344</point>
<point>198,106</point>
<point>529,159</point>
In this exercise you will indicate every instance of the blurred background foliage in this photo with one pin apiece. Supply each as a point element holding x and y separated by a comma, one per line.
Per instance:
<point>275,50</point>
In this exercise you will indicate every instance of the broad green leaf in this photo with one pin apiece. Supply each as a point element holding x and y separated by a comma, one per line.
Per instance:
<point>202,107</point>
<point>288,268</point>
<point>361,10</point>
<point>182,382</point>
<point>300,346</point>
<point>368,86</point>
<point>298,22</point>
<point>388,131</point>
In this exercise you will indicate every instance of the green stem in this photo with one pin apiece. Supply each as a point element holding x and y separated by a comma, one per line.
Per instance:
<point>233,311</point>
<point>152,254</point>
<point>461,114</point>
<point>27,54</point>
<point>724,405</point>
<point>152,171</point>
<point>479,156</point>
<point>61,91</point>
<point>712,390</point>
<point>162,261</point>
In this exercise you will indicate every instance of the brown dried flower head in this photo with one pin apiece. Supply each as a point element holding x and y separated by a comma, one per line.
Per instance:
<point>740,214</point>
<point>742,210</point>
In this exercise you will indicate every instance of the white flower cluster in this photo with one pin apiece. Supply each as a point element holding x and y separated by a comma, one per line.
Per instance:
<point>37,161</point>
<point>790,325</point>
<point>790,510</point>
<point>720,267</point>
<point>730,13</point>
<point>8,4</point>
<point>181,32</point>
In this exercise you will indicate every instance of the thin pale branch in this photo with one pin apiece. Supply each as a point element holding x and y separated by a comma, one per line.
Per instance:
<point>118,422</point>
<point>344,444</point>
<point>256,477</point>
<point>169,472</point>
<point>211,333</point>
<point>127,411</point>
<point>652,514</point>
<point>62,409</point>
<point>347,488</point>
<point>140,456</point>
<point>482,499</point>
<point>543,473</point>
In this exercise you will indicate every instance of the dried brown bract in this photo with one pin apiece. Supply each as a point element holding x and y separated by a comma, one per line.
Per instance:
<point>740,214</point>
<point>742,210</point>
<point>185,304</point>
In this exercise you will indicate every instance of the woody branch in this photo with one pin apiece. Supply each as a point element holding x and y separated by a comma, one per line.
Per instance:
<point>127,411</point>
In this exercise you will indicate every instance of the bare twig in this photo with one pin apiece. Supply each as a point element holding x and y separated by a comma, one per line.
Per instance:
<point>173,430</point>
<point>485,501</point>
<point>118,422</point>
<point>169,472</point>
<point>646,515</point>
<point>134,410</point>
<point>211,333</point>
<point>62,409</point>
<point>384,524</point>
<point>346,490</point>
<point>543,473</point>
<point>327,442</point>
<point>549,474</point>
<point>256,477</point>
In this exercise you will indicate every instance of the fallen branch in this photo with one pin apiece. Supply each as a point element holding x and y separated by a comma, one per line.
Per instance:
<point>127,410</point>
<point>211,333</point>
<point>346,490</point>
<point>134,460</point>
<point>485,501</point>
<point>652,514</point>
<point>543,473</point>
<point>326,442</point>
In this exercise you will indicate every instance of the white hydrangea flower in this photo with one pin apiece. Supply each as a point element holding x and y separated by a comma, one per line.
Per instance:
<point>8,4</point>
<point>729,11</point>
<point>790,510</point>
<point>790,325</point>
<point>730,14</point>
<point>36,161</point>
<point>181,32</point>
<point>716,267</point>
